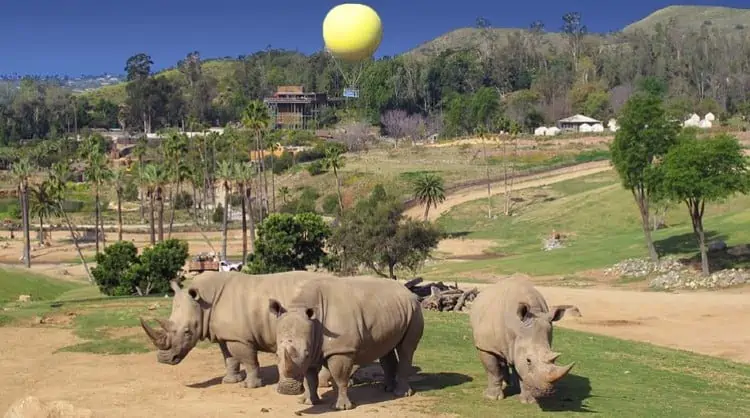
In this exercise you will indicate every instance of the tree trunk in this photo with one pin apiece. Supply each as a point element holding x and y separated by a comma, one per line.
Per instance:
<point>273,183</point>
<point>160,198</point>
<point>426,211</point>
<point>172,201</point>
<point>642,201</point>
<point>225,223</point>
<point>104,233</point>
<point>696,216</point>
<point>489,189</point>
<point>248,197</point>
<point>75,241</point>
<point>26,229</point>
<point>338,190</point>
<point>119,216</point>
<point>41,230</point>
<point>152,220</point>
<point>96,216</point>
<point>244,224</point>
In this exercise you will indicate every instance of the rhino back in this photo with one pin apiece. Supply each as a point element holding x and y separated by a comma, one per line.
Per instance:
<point>241,314</point>
<point>364,315</point>
<point>493,316</point>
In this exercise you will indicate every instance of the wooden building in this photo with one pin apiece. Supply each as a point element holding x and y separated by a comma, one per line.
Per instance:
<point>292,108</point>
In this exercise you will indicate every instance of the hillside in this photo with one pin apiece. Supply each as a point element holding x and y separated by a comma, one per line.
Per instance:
<point>692,17</point>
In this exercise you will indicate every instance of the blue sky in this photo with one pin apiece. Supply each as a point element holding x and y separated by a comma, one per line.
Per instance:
<point>89,36</point>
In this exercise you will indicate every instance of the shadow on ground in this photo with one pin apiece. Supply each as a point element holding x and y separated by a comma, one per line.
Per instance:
<point>684,243</point>
<point>570,394</point>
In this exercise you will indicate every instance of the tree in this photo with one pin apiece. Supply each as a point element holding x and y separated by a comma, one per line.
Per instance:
<point>22,170</point>
<point>43,205</point>
<point>118,182</point>
<point>645,135</point>
<point>334,160</point>
<point>429,190</point>
<point>284,194</point>
<point>244,173</point>
<point>256,118</point>
<point>699,171</point>
<point>575,31</point>
<point>289,242</point>
<point>376,234</point>
<point>226,175</point>
<point>98,173</point>
<point>154,177</point>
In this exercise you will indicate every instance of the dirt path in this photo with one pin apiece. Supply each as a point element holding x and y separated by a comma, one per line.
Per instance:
<point>137,386</point>
<point>710,323</point>
<point>525,182</point>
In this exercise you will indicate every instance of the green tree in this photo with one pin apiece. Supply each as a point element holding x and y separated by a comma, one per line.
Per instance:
<point>376,234</point>
<point>244,173</point>
<point>699,171</point>
<point>43,204</point>
<point>255,117</point>
<point>98,173</point>
<point>154,178</point>
<point>289,242</point>
<point>334,159</point>
<point>22,171</point>
<point>226,175</point>
<point>429,190</point>
<point>645,135</point>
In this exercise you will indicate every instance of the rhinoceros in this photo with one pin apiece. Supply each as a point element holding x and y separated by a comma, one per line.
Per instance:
<point>228,308</point>
<point>512,328</point>
<point>340,322</point>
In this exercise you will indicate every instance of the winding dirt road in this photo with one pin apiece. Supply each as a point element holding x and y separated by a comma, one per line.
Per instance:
<point>520,183</point>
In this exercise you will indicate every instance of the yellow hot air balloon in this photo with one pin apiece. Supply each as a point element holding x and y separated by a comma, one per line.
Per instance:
<point>352,32</point>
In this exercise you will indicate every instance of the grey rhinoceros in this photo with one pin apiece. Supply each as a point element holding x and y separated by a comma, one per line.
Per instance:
<point>512,328</point>
<point>228,308</point>
<point>340,322</point>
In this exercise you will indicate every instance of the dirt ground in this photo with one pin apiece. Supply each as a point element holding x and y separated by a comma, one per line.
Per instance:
<point>526,182</point>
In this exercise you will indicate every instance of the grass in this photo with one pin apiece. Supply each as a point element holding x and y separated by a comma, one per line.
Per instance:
<point>599,220</point>
<point>14,282</point>
<point>611,375</point>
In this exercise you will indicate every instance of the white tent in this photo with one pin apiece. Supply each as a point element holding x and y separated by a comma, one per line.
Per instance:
<point>552,131</point>
<point>585,127</point>
<point>691,123</point>
<point>705,124</point>
<point>540,131</point>
<point>695,118</point>
<point>710,117</point>
<point>597,127</point>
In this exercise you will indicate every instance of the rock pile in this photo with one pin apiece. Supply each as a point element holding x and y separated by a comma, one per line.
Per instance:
<point>638,267</point>
<point>692,280</point>
<point>552,244</point>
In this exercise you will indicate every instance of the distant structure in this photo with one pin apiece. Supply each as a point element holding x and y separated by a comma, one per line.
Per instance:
<point>695,121</point>
<point>612,125</point>
<point>290,107</point>
<point>577,123</point>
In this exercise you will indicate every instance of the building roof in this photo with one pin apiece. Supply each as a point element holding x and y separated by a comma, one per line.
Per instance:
<point>579,119</point>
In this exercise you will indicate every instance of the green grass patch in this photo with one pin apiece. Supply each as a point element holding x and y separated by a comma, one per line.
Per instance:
<point>612,377</point>
<point>14,282</point>
<point>600,224</point>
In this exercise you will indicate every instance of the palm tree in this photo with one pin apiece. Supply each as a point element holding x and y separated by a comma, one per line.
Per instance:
<point>155,178</point>
<point>118,182</point>
<point>284,193</point>
<point>429,191</point>
<point>98,173</point>
<point>225,174</point>
<point>43,205</point>
<point>22,172</point>
<point>59,179</point>
<point>139,151</point>
<point>256,118</point>
<point>335,160</point>
<point>175,148</point>
<point>244,175</point>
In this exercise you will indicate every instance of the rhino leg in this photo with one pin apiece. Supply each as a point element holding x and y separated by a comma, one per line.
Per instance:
<point>248,356</point>
<point>389,363</point>
<point>495,368</point>
<point>405,350</point>
<point>232,366</point>
<point>526,397</point>
<point>341,368</point>
<point>325,380</point>
<point>311,388</point>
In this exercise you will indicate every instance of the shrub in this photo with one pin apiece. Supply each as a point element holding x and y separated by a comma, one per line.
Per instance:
<point>121,272</point>
<point>130,192</point>
<point>183,200</point>
<point>315,168</point>
<point>331,204</point>
<point>218,216</point>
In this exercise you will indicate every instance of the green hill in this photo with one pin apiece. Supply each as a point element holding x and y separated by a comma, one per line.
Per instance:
<point>692,17</point>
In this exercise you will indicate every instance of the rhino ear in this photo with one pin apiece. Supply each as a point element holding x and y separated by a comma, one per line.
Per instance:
<point>557,312</point>
<point>523,312</point>
<point>274,306</point>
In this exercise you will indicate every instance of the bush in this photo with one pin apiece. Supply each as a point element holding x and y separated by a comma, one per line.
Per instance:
<point>315,168</point>
<point>288,242</point>
<point>121,272</point>
<point>218,216</point>
<point>183,200</point>
<point>130,192</point>
<point>331,204</point>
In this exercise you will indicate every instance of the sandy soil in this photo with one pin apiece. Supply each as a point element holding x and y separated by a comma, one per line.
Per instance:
<point>137,386</point>
<point>525,182</point>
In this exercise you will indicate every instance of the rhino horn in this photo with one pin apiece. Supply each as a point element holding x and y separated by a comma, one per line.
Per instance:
<point>176,287</point>
<point>158,337</point>
<point>558,372</point>
<point>166,325</point>
<point>552,357</point>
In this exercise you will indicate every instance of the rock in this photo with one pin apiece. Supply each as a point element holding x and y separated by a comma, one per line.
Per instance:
<point>32,407</point>
<point>693,280</point>
<point>552,244</point>
<point>739,250</point>
<point>153,306</point>
<point>718,245</point>
<point>24,298</point>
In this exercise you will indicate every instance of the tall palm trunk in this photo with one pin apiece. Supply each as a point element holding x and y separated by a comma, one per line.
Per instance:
<point>160,199</point>
<point>26,230</point>
<point>248,198</point>
<point>338,190</point>
<point>41,230</point>
<point>273,183</point>
<point>152,221</point>
<point>104,233</point>
<point>225,222</point>
<point>119,215</point>
<point>244,223</point>
<point>172,201</point>
<point>96,216</point>
<point>75,241</point>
